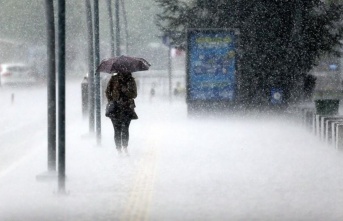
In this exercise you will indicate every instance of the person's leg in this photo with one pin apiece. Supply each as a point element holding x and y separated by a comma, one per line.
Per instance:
<point>117,126</point>
<point>125,133</point>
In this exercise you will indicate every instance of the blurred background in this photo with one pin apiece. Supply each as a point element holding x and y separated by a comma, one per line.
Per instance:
<point>23,35</point>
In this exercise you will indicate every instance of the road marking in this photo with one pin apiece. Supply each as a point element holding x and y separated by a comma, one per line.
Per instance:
<point>18,162</point>
<point>140,198</point>
<point>25,156</point>
<point>13,128</point>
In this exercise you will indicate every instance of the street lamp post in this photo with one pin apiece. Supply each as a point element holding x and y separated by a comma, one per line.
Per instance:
<point>170,71</point>
<point>91,102</point>
<point>51,87</point>
<point>109,6</point>
<point>118,52</point>
<point>97,75</point>
<point>61,96</point>
<point>122,2</point>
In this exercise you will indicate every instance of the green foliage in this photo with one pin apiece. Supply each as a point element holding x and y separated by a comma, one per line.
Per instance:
<point>280,40</point>
<point>177,16</point>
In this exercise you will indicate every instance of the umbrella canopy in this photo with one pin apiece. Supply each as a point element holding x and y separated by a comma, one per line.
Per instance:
<point>123,64</point>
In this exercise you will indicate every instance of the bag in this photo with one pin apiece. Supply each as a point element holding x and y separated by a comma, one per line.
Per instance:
<point>112,108</point>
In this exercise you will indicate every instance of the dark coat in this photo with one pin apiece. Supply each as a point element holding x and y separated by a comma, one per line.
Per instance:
<point>122,88</point>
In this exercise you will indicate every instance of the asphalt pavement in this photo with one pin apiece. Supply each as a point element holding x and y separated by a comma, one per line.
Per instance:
<point>233,167</point>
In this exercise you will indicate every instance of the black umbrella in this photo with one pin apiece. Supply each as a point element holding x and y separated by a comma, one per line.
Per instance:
<point>123,64</point>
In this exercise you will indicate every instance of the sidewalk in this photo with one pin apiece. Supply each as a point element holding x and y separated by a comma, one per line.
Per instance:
<point>233,168</point>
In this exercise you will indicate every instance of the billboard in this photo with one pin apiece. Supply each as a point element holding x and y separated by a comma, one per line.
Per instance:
<point>211,65</point>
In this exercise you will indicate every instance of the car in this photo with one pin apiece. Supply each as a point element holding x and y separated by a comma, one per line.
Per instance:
<point>16,74</point>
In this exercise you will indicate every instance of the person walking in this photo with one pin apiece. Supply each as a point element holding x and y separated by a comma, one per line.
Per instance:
<point>122,89</point>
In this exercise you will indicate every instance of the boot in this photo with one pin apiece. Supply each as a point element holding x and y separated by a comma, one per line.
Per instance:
<point>119,151</point>
<point>126,151</point>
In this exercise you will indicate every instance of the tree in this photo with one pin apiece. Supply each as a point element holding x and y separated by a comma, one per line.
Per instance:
<point>280,40</point>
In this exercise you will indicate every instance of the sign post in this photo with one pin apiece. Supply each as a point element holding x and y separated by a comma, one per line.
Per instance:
<point>167,42</point>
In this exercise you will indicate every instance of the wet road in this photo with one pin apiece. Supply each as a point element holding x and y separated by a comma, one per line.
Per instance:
<point>256,167</point>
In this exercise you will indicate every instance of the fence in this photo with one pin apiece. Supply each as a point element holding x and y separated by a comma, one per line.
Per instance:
<point>328,128</point>
<point>156,84</point>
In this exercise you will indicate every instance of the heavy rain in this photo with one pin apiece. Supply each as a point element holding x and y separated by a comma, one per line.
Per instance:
<point>238,107</point>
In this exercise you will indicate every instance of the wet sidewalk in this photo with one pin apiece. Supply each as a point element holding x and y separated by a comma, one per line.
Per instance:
<point>230,168</point>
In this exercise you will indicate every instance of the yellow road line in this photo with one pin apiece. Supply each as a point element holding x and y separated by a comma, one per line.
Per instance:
<point>138,206</point>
